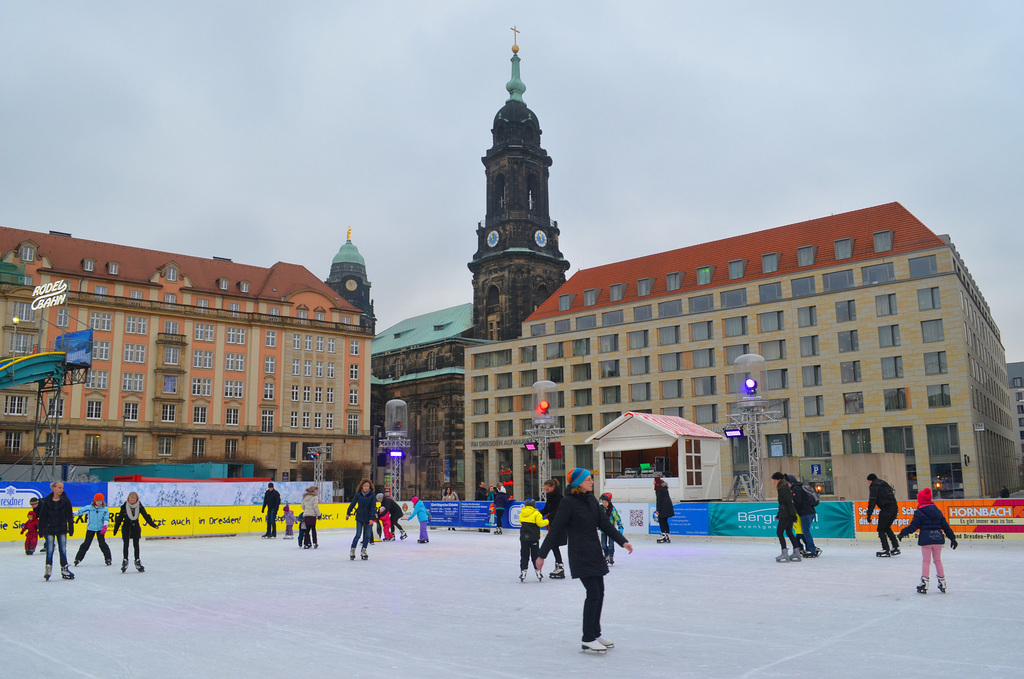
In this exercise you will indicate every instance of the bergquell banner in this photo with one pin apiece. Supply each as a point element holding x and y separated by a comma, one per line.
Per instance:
<point>757,519</point>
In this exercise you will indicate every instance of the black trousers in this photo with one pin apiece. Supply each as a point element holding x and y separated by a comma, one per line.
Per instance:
<point>592,606</point>
<point>786,526</point>
<point>134,541</point>
<point>885,519</point>
<point>663,523</point>
<point>558,554</point>
<point>528,553</point>
<point>89,534</point>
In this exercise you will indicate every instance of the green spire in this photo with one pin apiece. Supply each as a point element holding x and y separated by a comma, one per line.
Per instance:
<point>515,86</point>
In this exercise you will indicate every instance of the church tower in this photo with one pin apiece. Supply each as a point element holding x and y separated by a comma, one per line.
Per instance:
<point>348,279</point>
<point>517,264</point>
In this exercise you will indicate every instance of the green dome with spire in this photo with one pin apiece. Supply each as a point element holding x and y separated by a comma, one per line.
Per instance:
<point>349,253</point>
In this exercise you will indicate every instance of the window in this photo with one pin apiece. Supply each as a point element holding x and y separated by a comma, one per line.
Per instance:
<point>770,262</point>
<point>231,416</point>
<point>134,353</point>
<point>611,395</point>
<point>171,327</point>
<point>89,264</point>
<point>923,266</point>
<point>15,405</point>
<point>579,423</point>
<point>204,332</point>
<point>848,341</point>
<point>565,302</point>
<point>892,367</point>
<point>816,444</point>
<point>527,378</point>
<point>198,448</point>
<point>553,350</point>
<point>701,303</point>
<point>296,366</point>
<point>168,412</point>
<point>198,414</point>
<point>931,331</point>
<point>814,406</point>
<point>267,421</point>
<point>564,325</point>
<point>202,386</point>
<point>132,381</point>
<point>97,379</point>
<point>170,298</point>
<point>353,397</point>
<point>704,386</point>
<point>839,280</point>
<point>101,350</point>
<point>97,320</point>
<point>165,446</point>
<point>885,305</point>
<point>889,336</point>
<point>330,345</point>
<point>28,253</point>
<point>670,309</point>
<point>644,286</point>
<point>673,281</point>
<point>586,322</point>
<point>737,267</point>
<point>705,414</point>
<point>135,325</point>
<point>774,350</point>
<point>811,375</point>
<point>235,336</point>
<point>307,368</point>
<point>883,241</point>
<point>928,298</point>
<point>269,364</point>
<point>778,378</point>
<point>480,430</point>
<point>734,298</point>
<point>308,343</point>
<point>330,395</point>
<point>612,318</point>
<point>318,395</point>
<point>609,368</point>
<point>807,316</point>
<point>94,410</point>
<point>639,365</point>
<point>305,419</point>
<point>735,326</point>
<point>704,275</point>
<point>935,363</point>
<point>703,330</point>
<point>131,412</point>
<point>668,335</point>
<point>527,354</point>
<point>877,274</point>
<point>640,392</point>
<point>846,311</point>
<point>580,373</point>
<point>234,362</point>
<point>849,371</point>
<point>293,419</point>
<point>638,339</point>
<point>171,275</point>
<point>734,351</point>
<point>938,395</point>
<point>806,255</point>
<point>307,394</point>
<point>771,321</point>
<point>233,388</point>
<point>857,441</point>
<point>809,345</point>
<point>642,313</point>
<point>616,291</point>
<point>672,389</point>
<point>268,391</point>
<point>172,355</point>
<point>769,292</point>
<point>703,358</point>
<point>353,347</point>
<point>895,399</point>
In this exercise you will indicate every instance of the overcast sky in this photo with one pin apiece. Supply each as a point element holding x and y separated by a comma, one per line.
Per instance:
<point>260,131</point>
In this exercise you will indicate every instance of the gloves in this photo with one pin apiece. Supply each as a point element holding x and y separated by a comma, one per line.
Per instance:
<point>103,531</point>
<point>953,543</point>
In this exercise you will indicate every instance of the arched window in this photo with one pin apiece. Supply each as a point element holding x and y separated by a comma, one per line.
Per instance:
<point>431,361</point>
<point>541,295</point>
<point>531,192</point>
<point>431,424</point>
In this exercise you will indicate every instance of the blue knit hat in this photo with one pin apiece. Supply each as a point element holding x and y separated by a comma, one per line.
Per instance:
<point>577,476</point>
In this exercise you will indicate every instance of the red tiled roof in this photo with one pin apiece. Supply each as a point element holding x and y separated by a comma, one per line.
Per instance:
<point>909,235</point>
<point>137,265</point>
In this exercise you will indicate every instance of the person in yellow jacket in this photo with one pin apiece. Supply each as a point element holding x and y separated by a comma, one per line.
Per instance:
<point>530,523</point>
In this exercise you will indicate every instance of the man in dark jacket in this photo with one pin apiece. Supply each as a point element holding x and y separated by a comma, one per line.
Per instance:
<point>56,523</point>
<point>481,492</point>
<point>395,511</point>
<point>271,503</point>
<point>805,510</point>
<point>882,494</point>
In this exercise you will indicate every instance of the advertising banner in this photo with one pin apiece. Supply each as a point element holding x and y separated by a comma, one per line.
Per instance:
<point>690,519</point>
<point>476,514</point>
<point>757,519</point>
<point>443,513</point>
<point>16,494</point>
<point>1000,519</point>
<point>634,517</point>
<point>210,494</point>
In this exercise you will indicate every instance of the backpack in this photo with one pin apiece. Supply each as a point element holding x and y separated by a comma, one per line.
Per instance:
<point>812,495</point>
<point>886,495</point>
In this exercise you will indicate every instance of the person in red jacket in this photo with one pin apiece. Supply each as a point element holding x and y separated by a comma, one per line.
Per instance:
<point>31,528</point>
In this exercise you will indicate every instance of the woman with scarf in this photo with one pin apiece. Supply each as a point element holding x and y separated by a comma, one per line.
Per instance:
<point>131,514</point>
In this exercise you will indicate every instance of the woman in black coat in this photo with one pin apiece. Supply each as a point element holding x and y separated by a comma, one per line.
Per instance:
<point>579,518</point>
<point>787,517</point>
<point>364,503</point>
<point>56,523</point>
<point>552,499</point>
<point>663,503</point>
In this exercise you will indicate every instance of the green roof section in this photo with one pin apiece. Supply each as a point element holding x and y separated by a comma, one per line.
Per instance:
<point>349,254</point>
<point>515,87</point>
<point>426,374</point>
<point>426,329</point>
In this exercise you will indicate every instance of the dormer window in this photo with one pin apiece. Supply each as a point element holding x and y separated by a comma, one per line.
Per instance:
<point>737,268</point>
<point>844,248</point>
<point>883,241</point>
<point>644,286</point>
<point>673,281</point>
<point>704,275</point>
<point>172,275</point>
<point>617,291</point>
<point>222,283</point>
<point>590,296</point>
<point>28,253</point>
<point>770,262</point>
<point>89,264</point>
<point>243,286</point>
<point>113,268</point>
<point>806,255</point>
<point>565,302</point>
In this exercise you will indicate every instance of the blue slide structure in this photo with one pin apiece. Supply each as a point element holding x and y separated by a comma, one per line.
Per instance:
<point>42,367</point>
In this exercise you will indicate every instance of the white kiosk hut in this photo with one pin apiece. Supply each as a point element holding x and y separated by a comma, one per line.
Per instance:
<point>639,446</point>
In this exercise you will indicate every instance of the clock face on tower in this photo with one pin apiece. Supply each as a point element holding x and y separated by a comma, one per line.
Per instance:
<point>540,238</point>
<point>492,239</point>
<point>350,284</point>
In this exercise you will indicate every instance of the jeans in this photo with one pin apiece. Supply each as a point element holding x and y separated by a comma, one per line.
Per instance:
<point>363,529</point>
<point>592,606</point>
<point>272,522</point>
<point>805,522</point>
<point>607,545</point>
<point>62,547</point>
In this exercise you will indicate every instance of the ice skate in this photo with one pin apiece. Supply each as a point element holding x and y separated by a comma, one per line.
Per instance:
<point>423,542</point>
<point>138,566</point>
<point>107,561</point>
<point>65,573</point>
<point>522,576</point>
<point>29,552</point>
<point>794,555</point>
<point>594,645</point>
<point>664,538</point>
<point>558,573</point>
<point>316,545</point>
<point>46,575</point>
<point>352,554</point>
<point>895,551</point>
<point>942,585</point>
<point>884,552</point>
<point>611,560</point>
<point>497,531</point>
<point>363,555</point>
<point>540,576</point>
<point>817,552</point>
<point>77,562</point>
<point>783,558</point>
<point>604,642</point>
<point>404,535</point>
<point>124,565</point>
<point>923,587</point>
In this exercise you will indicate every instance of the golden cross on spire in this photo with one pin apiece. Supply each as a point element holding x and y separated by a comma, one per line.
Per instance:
<point>515,39</point>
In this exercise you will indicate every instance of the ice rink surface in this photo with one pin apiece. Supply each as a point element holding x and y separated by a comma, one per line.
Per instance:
<point>249,607</point>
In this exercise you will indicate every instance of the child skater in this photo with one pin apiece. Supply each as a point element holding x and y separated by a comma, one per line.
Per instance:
<point>302,528</point>
<point>131,514</point>
<point>607,543</point>
<point>419,511</point>
<point>31,528</point>
<point>384,519</point>
<point>289,521</point>
<point>99,519</point>
<point>530,523</point>
<point>929,520</point>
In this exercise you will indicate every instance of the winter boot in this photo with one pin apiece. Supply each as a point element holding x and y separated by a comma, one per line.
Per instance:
<point>138,566</point>
<point>363,555</point>
<point>352,554</point>
<point>942,585</point>
<point>784,557</point>
<point>794,555</point>
<point>664,538</point>
<point>884,552</point>
<point>895,551</point>
<point>923,587</point>
<point>594,645</point>
<point>124,565</point>
<point>65,573</point>
<point>49,569</point>
<point>558,573</point>
<point>29,552</point>
<point>522,576</point>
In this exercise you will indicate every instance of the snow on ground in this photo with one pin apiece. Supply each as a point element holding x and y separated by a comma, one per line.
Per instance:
<point>248,607</point>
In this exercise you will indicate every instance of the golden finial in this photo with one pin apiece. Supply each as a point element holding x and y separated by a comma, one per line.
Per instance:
<point>350,234</point>
<point>515,40</point>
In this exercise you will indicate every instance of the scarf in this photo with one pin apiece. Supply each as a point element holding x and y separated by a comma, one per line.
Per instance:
<point>133,510</point>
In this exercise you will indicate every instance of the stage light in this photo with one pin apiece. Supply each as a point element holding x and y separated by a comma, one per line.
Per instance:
<point>733,432</point>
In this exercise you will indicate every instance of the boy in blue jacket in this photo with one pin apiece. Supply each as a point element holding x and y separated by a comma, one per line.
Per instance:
<point>929,520</point>
<point>99,520</point>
